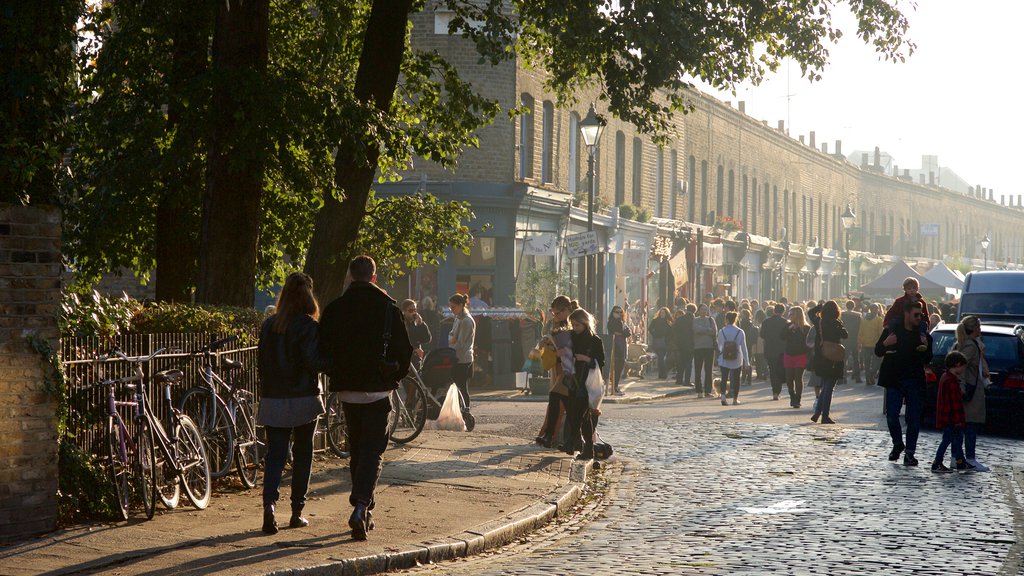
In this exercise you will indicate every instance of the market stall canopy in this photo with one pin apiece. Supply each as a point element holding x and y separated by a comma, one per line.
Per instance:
<point>891,283</point>
<point>941,274</point>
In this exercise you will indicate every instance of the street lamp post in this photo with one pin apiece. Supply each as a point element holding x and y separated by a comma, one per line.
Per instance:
<point>849,219</point>
<point>984,249</point>
<point>591,128</point>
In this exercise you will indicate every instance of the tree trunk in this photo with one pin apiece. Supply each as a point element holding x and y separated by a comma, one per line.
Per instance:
<point>337,224</point>
<point>177,234</point>
<point>231,207</point>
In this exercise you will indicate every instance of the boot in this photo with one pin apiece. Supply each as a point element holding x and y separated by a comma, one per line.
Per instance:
<point>358,522</point>
<point>269,523</point>
<point>297,521</point>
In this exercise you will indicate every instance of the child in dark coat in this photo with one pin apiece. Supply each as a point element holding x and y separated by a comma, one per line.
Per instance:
<point>949,414</point>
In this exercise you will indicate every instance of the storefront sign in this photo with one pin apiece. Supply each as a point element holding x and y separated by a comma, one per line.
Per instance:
<point>678,266</point>
<point>540,245</point>
<point>713,255</point>
<point>634,262</point>
<point>581,244</point>
<point>930,230</point>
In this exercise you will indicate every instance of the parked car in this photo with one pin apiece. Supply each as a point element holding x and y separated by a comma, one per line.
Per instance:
<point>1004,351</point>
<point>993,296</point>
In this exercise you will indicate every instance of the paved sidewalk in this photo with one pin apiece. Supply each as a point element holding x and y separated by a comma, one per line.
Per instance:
<point>635,390</point>
<point>444,495</point>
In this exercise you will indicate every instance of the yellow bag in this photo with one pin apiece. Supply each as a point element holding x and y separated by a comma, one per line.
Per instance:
<point>548,358</point>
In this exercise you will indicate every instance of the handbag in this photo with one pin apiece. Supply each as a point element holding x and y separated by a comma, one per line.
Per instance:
<point>833,351</point>
<point>595,387</point>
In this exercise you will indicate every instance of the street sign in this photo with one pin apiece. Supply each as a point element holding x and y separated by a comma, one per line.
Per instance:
<point>541,245</point>
<point>930,230</point>
<point>582,244</point>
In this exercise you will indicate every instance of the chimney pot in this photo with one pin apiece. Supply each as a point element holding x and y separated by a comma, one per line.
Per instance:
<point>878,157</point>
<point>801,138</point>
<point>864,159</point>
<point>743,107</point>
<point>931,178</point>
<point>812,140</point>
<point>824,147</point>
<point>906,172</point>
<point>920,178</point>
<point>839,147</point>
<point>782,126</point>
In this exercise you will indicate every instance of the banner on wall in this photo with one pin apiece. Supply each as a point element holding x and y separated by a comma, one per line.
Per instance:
<point>713,255</point>
<point>634,262</point>
<point>677,264</point>
<point>540,245</point>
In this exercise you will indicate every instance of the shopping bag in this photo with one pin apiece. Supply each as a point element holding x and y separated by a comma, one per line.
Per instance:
<point>595,388</point>
<point>533,365</point>
<point>548,358</point>
<point>450,417</point>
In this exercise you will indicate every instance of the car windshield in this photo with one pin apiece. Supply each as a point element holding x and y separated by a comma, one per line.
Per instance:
<point>1002,351</point>
<point>992,304</point>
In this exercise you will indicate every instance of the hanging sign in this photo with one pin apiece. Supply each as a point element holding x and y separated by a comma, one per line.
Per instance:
<point>540,245</point>
<point>678,267</point>
<point>582,244</point>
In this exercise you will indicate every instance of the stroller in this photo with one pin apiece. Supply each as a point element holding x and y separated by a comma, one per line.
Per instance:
<point>637,359</point>
<point>436,376</point>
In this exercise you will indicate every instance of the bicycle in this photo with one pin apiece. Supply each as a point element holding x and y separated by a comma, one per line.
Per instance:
<point>180,460</point>
<point>225,416</point>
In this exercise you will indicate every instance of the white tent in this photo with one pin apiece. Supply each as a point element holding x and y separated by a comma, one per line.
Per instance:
<point>892,281</point>
<point>953,280</point>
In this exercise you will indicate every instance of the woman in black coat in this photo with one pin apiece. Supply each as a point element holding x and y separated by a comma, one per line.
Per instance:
<point>588,351</point>
<point>825,318</point>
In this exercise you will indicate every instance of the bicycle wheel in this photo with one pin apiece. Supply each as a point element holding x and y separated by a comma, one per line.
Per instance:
<point>118,466</point>
<point>247,460</point>
<point>337,433</point>
<point>167,488</point>
<point>195,468</point>
<point>216,428</point>
<point>145,468</point>
<point>408,410</point>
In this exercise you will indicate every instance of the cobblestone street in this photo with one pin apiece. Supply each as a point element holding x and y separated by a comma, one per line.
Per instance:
<point>734,497</point>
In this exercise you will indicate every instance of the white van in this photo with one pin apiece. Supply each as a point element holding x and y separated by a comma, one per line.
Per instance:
<point>994,296</point>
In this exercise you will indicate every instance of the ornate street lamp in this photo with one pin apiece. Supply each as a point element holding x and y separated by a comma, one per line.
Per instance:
<point>848,218</point>
<point>591,128</point>
<point>984,248</point>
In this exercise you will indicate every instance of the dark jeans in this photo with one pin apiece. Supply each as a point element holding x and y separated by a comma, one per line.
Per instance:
<point>703,360</point>
<point>759,364</point>
<point>580,421</point>
<point>870,364</point>
<point>907,391</point>
<point>970,440</point>
<point>662,354</point>
<point>461,373</point>
<point>556,403</point>
<point>684,366</point>
<point>795,384</point>
<point>731,382</point>
<point>776,373</point>
<point>617,365</point>
<point>823,405</point>
<point>951,436</point>
<point>302,462</point>
<point>853,359</point>
<point>367,439</point>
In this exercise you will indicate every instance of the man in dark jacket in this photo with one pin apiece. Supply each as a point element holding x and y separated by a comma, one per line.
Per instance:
<point>682,330</point>
<point>773,332</point>
<point>363,338</point>
<point>419,332</point>
<point>851,321</point>
<point>902,374</point>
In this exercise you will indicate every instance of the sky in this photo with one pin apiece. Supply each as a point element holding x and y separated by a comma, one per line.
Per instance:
<point>957,96</point>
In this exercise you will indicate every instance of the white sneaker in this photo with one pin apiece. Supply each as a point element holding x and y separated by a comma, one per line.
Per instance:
<point>978,466</point>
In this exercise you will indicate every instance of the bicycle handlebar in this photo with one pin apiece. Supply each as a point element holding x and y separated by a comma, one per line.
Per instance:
<point>115,351</point>
<point>218,344</point>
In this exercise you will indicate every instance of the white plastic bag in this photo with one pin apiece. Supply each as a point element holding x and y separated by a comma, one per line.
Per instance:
<point>450,417</point>
<point>595,388</point>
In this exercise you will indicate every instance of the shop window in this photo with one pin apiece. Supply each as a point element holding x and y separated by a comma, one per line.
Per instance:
<point>480,288</point>
<point>526,137</point>
<point>480,255</point>
<point>547,142</point>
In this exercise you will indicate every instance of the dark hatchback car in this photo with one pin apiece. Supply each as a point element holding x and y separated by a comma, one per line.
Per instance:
<point>1004,399</point>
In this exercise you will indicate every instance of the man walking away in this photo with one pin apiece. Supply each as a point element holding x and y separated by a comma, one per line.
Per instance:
<point>851,320</point>
<point>773,332</point>
<point>902,375</point>
<point>363,337</point>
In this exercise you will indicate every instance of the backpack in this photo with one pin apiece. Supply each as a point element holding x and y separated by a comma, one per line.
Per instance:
<point>731,349</point>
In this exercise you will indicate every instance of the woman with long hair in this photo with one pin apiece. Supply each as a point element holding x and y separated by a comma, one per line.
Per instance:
<point>558,396</point>
<point>620,334</point>
<point>968,343</point>
<point>661,336</point>
<point>794,359</point>
<point>290,394</point>
<point>733,357</point>
<point>462,338</point>
<point>704,333</point>
<point>825,318</point>
<point>588,354</point>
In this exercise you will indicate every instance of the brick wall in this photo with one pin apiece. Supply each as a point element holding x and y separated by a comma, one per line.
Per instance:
<point>29,299</point>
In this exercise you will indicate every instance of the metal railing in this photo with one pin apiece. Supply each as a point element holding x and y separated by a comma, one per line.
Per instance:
<point>86,403</point>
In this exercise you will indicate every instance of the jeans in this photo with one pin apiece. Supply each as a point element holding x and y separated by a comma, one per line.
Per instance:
<point>776,372</point>
<point>910,392</point>
<point>580,421</point>
<point>870,362</point>
<point>951,436</point>
<point>970,440</point>
<point>823,405</point>
<point>662,353</point>
<point>367,439</point>
<point>617,365</point>
<point>731,382</point>
<point>684,366</point>
<point>302,463</point>
<point>853,360</point>
<point>795,383</point>
<point>703,359</point>
<point>759,365</point>
<point>461,373</point>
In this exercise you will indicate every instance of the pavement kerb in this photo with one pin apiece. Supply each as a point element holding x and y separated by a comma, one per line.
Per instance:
<point>607,400</point>
<point>486,536</point>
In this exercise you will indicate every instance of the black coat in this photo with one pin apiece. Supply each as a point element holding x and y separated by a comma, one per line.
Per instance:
<point>288,363</point>
<point>588,345</point>
<point>773,332</point>
<point>682,329</point>
<point>905,362</point>
<point>829,330</point>
<point>352,340</point>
